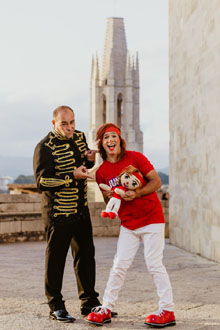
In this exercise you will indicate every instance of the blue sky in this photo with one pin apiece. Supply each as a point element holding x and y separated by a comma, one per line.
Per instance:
<point>46,53</point>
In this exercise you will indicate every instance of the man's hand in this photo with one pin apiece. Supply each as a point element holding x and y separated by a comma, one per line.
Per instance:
<point>90,155</point>
<point>82,173</point>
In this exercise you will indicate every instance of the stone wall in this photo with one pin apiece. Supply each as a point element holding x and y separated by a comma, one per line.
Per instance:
<point>194,35</point>
<point>20,218</point>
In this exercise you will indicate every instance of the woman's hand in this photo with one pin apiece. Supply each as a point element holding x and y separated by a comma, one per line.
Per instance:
<point>153,184</point>
<point>107,194</point>
<point>129,195</point>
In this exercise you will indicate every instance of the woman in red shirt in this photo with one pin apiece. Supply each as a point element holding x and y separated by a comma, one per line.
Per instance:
<point>142,220</point>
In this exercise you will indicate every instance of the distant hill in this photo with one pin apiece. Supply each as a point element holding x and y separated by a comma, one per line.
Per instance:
<point>165,170</point>
<point>23,166</point>
<point>30,178</point>
<point>164,177</point>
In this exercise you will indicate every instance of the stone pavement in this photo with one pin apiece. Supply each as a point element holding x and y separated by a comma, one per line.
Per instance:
<point>195,281</point>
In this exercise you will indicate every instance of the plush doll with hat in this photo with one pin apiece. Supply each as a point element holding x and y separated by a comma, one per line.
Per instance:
<point>130,179</point>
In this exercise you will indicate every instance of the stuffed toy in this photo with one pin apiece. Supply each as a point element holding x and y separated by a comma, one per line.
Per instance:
<point>129,179</point>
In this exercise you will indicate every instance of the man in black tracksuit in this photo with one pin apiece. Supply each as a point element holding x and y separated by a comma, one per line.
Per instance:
<point>61,162</point>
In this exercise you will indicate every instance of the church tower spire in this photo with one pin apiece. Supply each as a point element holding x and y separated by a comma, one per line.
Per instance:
<point>114,92</point>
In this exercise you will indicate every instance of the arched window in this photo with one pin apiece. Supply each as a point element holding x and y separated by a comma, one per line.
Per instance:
<point>104,109</point>
<point>120,110</point>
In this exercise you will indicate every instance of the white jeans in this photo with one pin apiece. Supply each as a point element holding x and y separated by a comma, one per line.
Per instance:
<point>127,246</point>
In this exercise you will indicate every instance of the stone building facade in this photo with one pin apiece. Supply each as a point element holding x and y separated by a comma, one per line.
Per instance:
<point>194,35</point>
<point>114,90</point>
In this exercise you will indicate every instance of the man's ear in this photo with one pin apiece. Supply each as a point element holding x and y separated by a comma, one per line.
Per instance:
<point>53,123</point>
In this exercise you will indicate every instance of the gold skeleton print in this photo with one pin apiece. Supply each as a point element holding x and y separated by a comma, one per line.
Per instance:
<point>66,200</point>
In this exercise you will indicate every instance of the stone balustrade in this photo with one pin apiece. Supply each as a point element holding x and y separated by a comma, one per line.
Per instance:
<point>20,218</point>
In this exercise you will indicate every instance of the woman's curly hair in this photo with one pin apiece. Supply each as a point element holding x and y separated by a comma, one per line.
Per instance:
<point>99,138</point>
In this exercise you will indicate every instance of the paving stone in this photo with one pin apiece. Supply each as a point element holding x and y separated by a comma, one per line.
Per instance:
<point>195,282</point>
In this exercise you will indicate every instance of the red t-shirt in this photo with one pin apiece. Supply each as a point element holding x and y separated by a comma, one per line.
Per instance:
<point>140,211</point>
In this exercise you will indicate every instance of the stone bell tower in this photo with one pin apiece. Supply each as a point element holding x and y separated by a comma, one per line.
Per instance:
<point>114,91</point>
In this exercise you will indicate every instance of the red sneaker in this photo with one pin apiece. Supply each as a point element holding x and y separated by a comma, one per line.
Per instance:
<point>161,319</point>
<point>99,316</point>
<point>104,214</point>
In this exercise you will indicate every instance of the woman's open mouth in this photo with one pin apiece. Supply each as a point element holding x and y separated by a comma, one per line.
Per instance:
<point>111,147</point>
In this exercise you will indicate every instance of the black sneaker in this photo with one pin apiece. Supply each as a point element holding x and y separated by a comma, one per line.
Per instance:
<point>61,315</point>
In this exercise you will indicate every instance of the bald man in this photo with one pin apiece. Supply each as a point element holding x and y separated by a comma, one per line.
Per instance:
<point>61,163</point>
